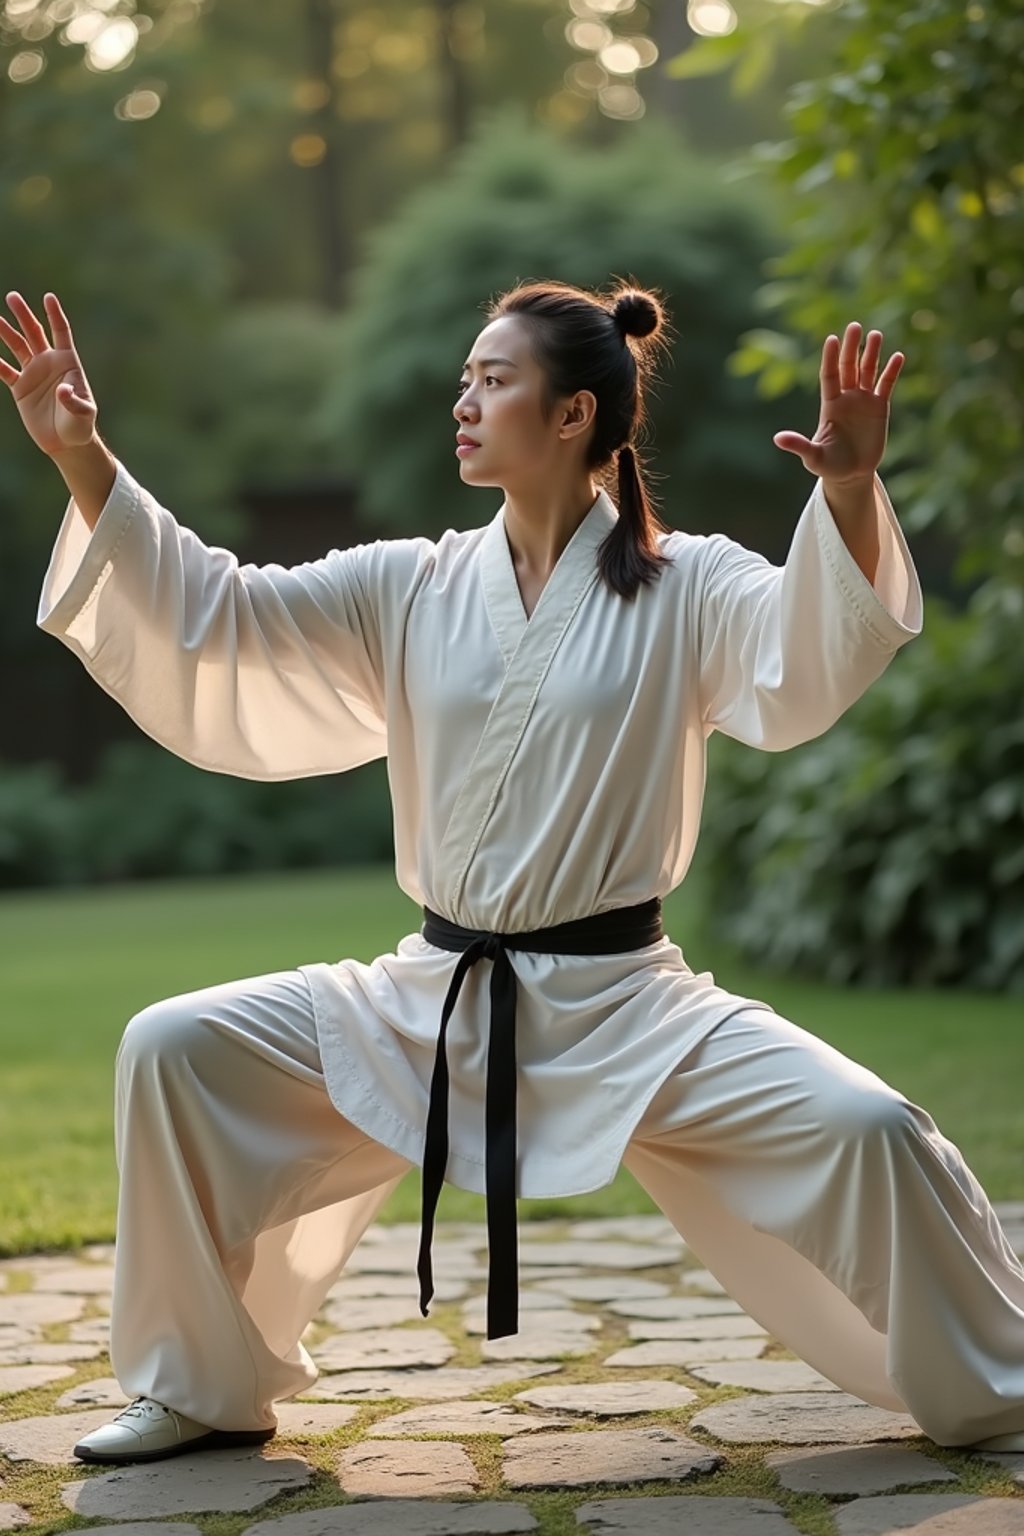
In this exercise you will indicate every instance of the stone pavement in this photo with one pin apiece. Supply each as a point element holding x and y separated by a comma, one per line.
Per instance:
<point>637,1398</point>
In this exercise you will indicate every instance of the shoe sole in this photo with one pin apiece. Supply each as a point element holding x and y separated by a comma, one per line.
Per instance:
<point>217,1439</point>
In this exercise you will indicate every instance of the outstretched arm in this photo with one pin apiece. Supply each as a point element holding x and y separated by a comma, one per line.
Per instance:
<point>847,447</point>
<point>259,671</point>
<point>784,651</point>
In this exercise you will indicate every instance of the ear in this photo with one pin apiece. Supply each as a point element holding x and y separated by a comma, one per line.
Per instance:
<point>578,415</point>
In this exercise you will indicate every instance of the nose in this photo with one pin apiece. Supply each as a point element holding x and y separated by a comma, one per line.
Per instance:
<point>460,410</point>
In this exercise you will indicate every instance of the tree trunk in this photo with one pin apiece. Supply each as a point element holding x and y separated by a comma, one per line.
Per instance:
<point>455,85</point>
<point>325,181</point>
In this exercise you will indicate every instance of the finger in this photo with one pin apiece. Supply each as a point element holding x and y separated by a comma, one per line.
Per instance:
<point>71,401</point>
<point>58,322</point>
<point>890,374</point>
<point>869,362</point>
<point>848,356</point>
<point>15,340</point>
<point>34,333</point>
<point>8,375</point>
<point>830,369</point>
<point>795,442</point>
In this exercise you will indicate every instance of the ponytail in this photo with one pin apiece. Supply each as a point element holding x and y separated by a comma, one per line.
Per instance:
<point>629,557</point>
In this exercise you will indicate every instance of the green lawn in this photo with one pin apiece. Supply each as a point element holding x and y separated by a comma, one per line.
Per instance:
<point>75,966</point>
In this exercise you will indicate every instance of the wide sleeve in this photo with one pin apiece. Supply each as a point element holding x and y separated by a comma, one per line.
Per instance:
<point>784,651</point>
<point>264,672</point>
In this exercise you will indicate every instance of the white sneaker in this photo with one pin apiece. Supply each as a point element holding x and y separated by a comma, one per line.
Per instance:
<point>146,1431</point>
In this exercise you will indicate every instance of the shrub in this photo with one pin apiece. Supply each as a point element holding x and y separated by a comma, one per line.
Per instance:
<point>891,849</point>
<point>148,814</point>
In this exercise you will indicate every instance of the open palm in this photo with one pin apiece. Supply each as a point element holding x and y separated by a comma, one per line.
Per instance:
<point>854,418</point>
<point>50,390</point>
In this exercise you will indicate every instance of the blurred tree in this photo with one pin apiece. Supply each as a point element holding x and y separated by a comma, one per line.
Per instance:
<point>907,159</point>
<point>516,205</point>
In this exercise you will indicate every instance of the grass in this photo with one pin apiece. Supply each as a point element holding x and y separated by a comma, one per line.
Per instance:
<point>75,965</point>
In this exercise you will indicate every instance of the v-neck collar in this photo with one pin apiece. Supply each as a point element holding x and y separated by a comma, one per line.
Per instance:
<point>501,589</point>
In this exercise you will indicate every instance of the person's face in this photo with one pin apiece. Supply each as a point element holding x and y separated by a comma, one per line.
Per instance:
<point>498,405</point>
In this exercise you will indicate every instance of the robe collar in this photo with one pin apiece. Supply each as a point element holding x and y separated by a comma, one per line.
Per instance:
<point>574,566</point>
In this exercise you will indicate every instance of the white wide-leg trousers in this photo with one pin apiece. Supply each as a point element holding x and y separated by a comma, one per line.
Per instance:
<point>829,1206</point>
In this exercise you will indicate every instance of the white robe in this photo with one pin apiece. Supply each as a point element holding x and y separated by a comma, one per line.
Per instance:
<point>541,770</point>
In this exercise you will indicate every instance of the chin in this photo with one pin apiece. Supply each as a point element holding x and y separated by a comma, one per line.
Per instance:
<point>487,478</point>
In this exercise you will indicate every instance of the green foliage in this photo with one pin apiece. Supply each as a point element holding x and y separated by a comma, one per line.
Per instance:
<point>890,850</point>
<point>147,814</point>
<point>906,165</point>
<point>516,205</point>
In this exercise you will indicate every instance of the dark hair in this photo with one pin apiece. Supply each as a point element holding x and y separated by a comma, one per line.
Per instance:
<point>605,344</point>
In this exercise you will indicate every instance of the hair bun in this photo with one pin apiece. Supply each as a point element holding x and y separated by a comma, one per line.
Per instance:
<point>637,313</point>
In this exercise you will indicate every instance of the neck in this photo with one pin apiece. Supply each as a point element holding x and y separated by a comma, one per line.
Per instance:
<point>540,522</point>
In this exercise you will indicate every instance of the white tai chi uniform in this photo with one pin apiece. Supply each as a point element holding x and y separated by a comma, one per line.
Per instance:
<point>541,771</point>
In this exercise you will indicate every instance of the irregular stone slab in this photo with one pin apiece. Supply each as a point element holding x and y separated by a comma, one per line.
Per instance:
<point>609,1399</point>
<point>860,1469</point>
<point>147,1528</point>
<point>428,1386</point>
<point>540,1320</point>
<point>306,1419</point>
<point>601,1255</point>
<point>15,1336</point>
<point>33,1263</point>
<point>460,1265</point>
<point>350,1314</point>
<point>445,1288</point>
<point>77,1280</point>
<point>697,1328</point>
<point>447,1234</point>
<point>39,1353</point>
<point>686,1352</point>
<point>13,1515</point>
<point>419,1468</point>
<point>702,1280</point>
<point>699,1515</point>
<point>549,1271</point>
<point>548,1343</point>
<point>932,1514</point>
<point>628,1229</point>
<point>764,1375</point>
<point>678,1308</point>
<point>208,1482</point>
<point>28,1308</point>
<point>22,1378</point>
<point>104,1392</point>
<point>603,1288</point>
<point>102,1253</point>
<point>95,1330</point>
<point>395,1517</point>
<point>605,1456</point>
<point>48,1439</point>
<point>463,1418</point>
<point>804,1418</point>
<point>1009,1462</point>
<point>384,1348</point>
<point>530,1300</point>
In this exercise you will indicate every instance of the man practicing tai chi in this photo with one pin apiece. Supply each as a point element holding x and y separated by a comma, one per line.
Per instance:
<point>543,688</point>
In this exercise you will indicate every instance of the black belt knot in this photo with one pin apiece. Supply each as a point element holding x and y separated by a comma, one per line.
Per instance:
<point>625,928</point>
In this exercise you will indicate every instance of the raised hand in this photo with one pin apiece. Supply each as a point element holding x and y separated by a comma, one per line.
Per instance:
<point>854,419</point>
<point>51,390</point>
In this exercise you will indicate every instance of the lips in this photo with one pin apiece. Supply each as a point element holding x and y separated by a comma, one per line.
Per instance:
<point>462,441</point>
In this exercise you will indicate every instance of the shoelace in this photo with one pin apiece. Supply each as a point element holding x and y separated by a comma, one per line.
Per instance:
<point>140,1408</point>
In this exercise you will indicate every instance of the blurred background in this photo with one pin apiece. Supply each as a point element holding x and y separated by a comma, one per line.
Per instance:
<point>275,229</point>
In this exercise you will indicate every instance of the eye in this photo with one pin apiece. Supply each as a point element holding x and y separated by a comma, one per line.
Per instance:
<point>487,379</point>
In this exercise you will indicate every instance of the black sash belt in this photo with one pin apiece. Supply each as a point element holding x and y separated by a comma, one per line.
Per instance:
<point>607,933</point>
